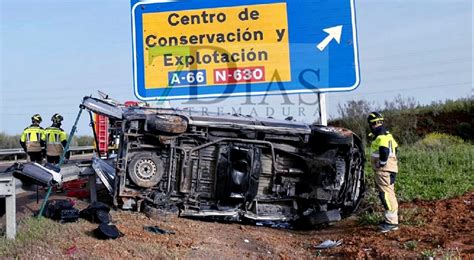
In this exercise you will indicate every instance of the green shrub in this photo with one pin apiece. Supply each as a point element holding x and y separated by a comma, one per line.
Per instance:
<point>354,114</point>
<point>438,141</point>
<point>463,105</point>
<point>428,253</point>
<point>408,121</point>
<point>370,218</point>
<point>412,217</point>
<point>465,130</point>
<point>403,125</point>
<point>411,245</point>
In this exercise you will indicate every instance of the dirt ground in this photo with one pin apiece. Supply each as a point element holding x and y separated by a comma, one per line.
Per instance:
<point>442,228</point>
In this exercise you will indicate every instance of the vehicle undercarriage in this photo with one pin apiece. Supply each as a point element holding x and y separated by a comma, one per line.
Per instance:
<point>232,167</point>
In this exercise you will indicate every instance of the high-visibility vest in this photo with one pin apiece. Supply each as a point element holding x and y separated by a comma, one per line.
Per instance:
<point>32,136</point>
<point>384,140</point>
<point>54,137</point>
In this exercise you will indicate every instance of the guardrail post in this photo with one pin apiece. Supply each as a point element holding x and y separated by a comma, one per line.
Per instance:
<point>7,190</point>
<point>10,207</point>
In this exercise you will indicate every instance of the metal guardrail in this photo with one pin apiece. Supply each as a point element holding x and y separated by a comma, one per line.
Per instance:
<point>19,151</point>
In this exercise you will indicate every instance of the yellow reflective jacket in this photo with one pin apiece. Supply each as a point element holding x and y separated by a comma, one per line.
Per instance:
<point>32,139</point>
<point>55,139</point>
<point>383,149</point>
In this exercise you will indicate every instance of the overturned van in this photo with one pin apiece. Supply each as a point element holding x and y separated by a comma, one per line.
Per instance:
<point>231,167</point>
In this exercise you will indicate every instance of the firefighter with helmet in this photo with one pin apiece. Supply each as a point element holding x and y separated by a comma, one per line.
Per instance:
<point>55,139</point>
<point>384,161</point>
<point>31,140</point>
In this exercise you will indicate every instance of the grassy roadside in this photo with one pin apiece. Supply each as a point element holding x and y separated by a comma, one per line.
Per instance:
<point>46,238</point>
<point>438,167</point>
<point>31,232</point>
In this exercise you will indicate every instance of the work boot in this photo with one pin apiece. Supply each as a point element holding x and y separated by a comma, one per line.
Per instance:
<point>385,227</point>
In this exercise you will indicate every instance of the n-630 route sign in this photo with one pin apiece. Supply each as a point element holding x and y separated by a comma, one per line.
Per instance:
<point>199,49</point>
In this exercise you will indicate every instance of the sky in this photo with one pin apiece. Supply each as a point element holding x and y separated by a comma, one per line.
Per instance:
<point>54,52</point>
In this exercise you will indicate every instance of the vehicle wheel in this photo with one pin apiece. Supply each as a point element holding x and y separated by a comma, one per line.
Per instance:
<point>331,135</point>
<point>317,219</point>
<point>145,169</point>
<point>168,124</point>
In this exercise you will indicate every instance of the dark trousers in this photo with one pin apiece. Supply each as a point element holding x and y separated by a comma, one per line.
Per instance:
<point>53,159</point>
<point>35,157</point>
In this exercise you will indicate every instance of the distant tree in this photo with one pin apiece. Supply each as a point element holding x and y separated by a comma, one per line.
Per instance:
<point>400,103</point>
<point>353,116</point>
<point>9,141</point>
<point>408,121</point>
<point>82,140</point>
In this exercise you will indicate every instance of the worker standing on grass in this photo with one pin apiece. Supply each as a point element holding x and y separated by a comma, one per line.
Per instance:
<point>384,162</point>
<point>55,139</point>
<point>31,140</point>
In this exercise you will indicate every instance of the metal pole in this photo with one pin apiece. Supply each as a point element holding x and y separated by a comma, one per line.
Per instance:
<point>92,125</point>
<point>7,191</point>
<point>71,134</point>
<point>61,160</point>
<point>322,109</point>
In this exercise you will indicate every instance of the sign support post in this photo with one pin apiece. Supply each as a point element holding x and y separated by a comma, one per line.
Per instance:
<point>322,109</point>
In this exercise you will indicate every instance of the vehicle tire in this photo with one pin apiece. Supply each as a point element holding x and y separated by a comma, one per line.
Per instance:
<point>167,124</point>
<point>153,213</point>
<point>331,135</point>
<point>317,219</point>
<point>145,169</point>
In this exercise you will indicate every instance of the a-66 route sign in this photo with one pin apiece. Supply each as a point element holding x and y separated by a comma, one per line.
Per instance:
<point>197,49</point>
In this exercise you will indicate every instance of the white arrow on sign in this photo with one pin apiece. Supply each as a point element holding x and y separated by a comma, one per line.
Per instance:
<point>334,33</point>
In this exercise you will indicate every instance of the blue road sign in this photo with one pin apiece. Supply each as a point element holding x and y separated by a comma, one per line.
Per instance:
<point>200,49</point>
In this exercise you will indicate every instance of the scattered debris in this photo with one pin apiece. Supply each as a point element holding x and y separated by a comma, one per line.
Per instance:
<point>34,173</point>
<point>246,241</point>
<point>75,184</point>
<point>76,188</point>
<point>157,230</point>
<point>61,210</point>
<point>71,250</point>
<point>329,244</point>
<point>79,194</point>
<point>97,212</point>
<point>107,231</point>
<point>273,224</point>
